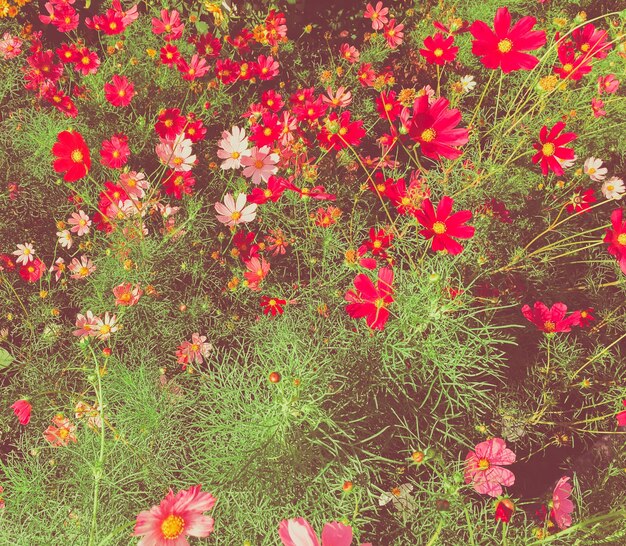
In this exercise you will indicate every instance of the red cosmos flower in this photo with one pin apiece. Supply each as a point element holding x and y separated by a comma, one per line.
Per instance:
<point>616,238</point>
<point>438,49</point>
<point>68,53</point>
<point>503,47</point>
<point>407,198</point>
<point>245,246</point>
<point>591,42</point>
<point>267,131</point>
<point>87,62</point>
<point>226,70</point>
<point>6,262</point>
<point>586,317</point>
<point>572,67</point>
<point>621,416</point>
<point>441,226</point>
<point>61,101</point>
<point>434,127</point>
<point>378,243</point>
<point>581,200</point>
<point>393,33</point>
<point>72,156</point>
<point>326,217</point>
<point>387,105</point>
<point>276,186</point>
<point>179,182</point>
<point>272,306</point>
<point>339,132</point>
<point>119,92</point>
<point>370,301</point>
<point>240,42</point>
<point>207,45</point>
<point>316,192</point>
<point>115,152</point>
<point>169,24</point>
<point>310,110</point>
<point>170,123</point>
<point>258,268</point>
<point>22,409</point>
<point>504,510</point>
<point>366,75</point>
<point>553,319</point>
<point>272,100</point>
<point>32,271</point>
<point>170,55</point>
<point>195,130</point>
<point>550,147</point>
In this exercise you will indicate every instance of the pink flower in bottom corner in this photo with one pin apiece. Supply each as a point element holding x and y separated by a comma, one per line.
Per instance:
<point>22,409</point>
<point>177,517</point>
<point>298,532</point>
<point>562,506</point>
<point>483,467</point>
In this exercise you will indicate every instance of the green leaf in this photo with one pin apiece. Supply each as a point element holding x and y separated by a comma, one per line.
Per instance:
<point>202,27</point>
<point>5,358</point>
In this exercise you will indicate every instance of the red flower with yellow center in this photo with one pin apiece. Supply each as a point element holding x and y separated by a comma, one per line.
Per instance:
<point>72,156</point>
<point>442,227</point>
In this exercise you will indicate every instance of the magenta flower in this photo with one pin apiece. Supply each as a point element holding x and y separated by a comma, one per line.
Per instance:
<point>621,416</point>
<point>22,409</point>
<point>553,319</point>
<point>483,467</point>
<point>562,506</point>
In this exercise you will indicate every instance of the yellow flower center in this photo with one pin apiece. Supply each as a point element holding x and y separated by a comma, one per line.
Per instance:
<point>438,52</point>
<point>549,326</point>
<point>377,244</point>
<point>395,491</point>
<point>235,155</point>
<point>439,228</point>
<point>504,46</point>
<point>483,464</point>
<point>267,131</point>
<point>105,329</point>
<point>621,239</point>
<point>258,164</point>
<point>115,153</point>
<point>379,303</point>
<point>169,122</point>
<point>172,527</point>
<point>548,149</point>
<point>591,170</point>
<point>83,271</point>
<point>85,60</point>
<point>429,135</point>
<point>63,433</point>
<point>610,187</point>
<point>568,67</point>
<point>168,27</point>
<point>77,156</point>
<point>121,93</point>
<point>236,215</point>
<point>585,47</point>
<point>272,303</point>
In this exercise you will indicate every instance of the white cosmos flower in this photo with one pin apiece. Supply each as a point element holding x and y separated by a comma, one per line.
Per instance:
<point>613,188</point>
<point>25,253</point>
<point>593,168</point>
<point>233,147</point>
<point>233,213</point>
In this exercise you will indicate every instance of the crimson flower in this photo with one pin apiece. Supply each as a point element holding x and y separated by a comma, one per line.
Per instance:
<point>272,306</point>
<point>441,226</point>
<point>591,42</point>
<point>434,127</point>
<point>72,156</point>
<point>32,271</point>
<point>621,416</point>
<point>170,123</point>
<point>438,49</point>
<point>339,132</point>
<point>504,46</point>
<point>581,200</point>
<point>387,106</point>
<point>616,238</point>
<point>120,91</point>
<point>115,152</point>
<point>586,317</point>
<point>572,67</point>
<point>550,148</point>
<point>370,301</point>
<point>553,319</point>
<point>504,510</point>
<point>22,409</point>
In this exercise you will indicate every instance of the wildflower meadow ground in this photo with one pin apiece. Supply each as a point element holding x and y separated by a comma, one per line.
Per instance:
<point>312,273</point>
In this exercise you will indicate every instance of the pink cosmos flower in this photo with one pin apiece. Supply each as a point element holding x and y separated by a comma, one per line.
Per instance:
<point>562,506</point>
<point>169,24</point>
<point>190,352</point>
<point>196,68</point>
<point>177,517</point>
<point>483,467</point>
<point>378,15</point>
<point>267,67</point>
<point>80,223</point>
<point>177,154</point>
<point>234,213</point>
<point>126,294</point>
<point>119,92</point>
<point>393,34</point>
<point>349,53</point>
<point>81,269</point>
<point>61,432</point>
<point>260,164</point>
<point>298,532</point>
<point>134,183</point>
<point>606,84</point>
<point>340,99</point>
<point>597,107</point>
<point>258,268</point>
<point>115,152</point>
<point>232,148</point>
<point>22,409</point>
<point>621,416</point>
<point>10,46</point>
<point>58,268</point>
<point>86,325</point>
